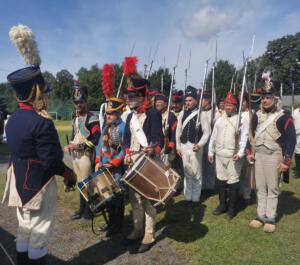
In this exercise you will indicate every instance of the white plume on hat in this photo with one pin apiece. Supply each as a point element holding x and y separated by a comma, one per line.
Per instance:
<point>266,76</point>
<point>23,38</point>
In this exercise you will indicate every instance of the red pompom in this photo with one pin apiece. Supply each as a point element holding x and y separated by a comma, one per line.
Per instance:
<point>108,80</point>
<point>129,65</point>
<point>230,99</point>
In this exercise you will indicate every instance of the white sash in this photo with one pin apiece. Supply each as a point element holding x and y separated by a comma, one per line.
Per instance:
<point>191,116</point>
<point>102,115</point>
<point>266,123</point>
<point>138,130</point>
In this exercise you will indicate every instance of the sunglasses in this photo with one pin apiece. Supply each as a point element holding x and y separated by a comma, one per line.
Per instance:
<point>111,113</point>
<point>76,102</point>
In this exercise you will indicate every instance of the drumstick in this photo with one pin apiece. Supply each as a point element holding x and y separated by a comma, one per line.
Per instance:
<point>70,152</point>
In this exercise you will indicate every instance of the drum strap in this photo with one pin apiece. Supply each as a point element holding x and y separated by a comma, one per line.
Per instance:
<point>138,129</point>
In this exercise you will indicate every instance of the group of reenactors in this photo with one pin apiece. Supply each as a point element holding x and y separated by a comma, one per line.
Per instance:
<point>210,148</point>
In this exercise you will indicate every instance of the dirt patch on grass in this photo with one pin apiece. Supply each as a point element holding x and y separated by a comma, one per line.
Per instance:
<point>73,242</point>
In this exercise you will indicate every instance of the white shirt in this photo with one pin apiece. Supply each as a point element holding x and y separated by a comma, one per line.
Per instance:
<point>222,140</point>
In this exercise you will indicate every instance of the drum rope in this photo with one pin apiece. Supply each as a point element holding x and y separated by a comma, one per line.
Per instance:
<point>93,229</point>
<point>105,219</point>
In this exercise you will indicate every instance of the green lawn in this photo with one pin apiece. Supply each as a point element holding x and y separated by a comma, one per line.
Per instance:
<point>204,239</point>
<point>63,128</point>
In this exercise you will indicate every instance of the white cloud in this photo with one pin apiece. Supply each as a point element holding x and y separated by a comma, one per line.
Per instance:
<point>208,22</point>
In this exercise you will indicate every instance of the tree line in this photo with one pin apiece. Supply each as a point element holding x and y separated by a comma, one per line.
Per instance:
<point>282,57</point>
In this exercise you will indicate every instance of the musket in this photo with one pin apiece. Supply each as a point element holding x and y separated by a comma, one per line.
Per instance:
<point>255,77</point>
<point>198,120</point>
<point>293,96</point>
<point>162,77</point>
<point>170,94</point>
<point>213,89</point>
<point>147,62</point>
<point>236,80</point>
<point>187,69</point>
<point>123,75</point>
<point>68,142</point>
<point>242,95</point>
<point>232,80</point>
<point>281,90</point>
<point>152,61</point>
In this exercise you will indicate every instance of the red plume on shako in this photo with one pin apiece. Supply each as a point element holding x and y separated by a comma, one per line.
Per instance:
<point>129,65</point>
<point>108,80</point>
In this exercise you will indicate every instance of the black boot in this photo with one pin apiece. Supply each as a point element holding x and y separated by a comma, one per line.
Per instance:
<point>222,207</point>
<point>233,190</point>
<point>22,258</point>
<point>118,209</point>
<point>111,219</point>
<point>87,213</point>
<point>40,261</point>
<point>119,214</point>
<point>78,214</point>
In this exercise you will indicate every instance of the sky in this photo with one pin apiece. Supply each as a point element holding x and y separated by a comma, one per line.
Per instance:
<point>79,33</point>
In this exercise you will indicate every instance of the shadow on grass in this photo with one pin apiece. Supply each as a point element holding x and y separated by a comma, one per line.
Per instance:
<point>100,253</point>
<point>287,204</point>
<point>182,223</point>
<point>104,251</point>
<point>7,241</point>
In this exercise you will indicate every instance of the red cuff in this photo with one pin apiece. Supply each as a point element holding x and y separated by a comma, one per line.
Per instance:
<point>288,161</point>
<point>287,123</point>
<point>248,152</point>
<point>116,161</point>
<point>171,145</point>
<point>97,160</point>
<point>127,152</point>
<point>96,128</point>
<point>174,126</point>
<point>157,150</point>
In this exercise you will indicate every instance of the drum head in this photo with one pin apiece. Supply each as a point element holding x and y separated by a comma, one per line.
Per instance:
<point>152,179</point>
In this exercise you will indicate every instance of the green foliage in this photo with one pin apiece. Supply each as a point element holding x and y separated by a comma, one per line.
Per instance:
<point>92,79</point>
<point>65,83</point>
<point>156,80</point>
<point>223,75</point>
<point>282,57</point>
<point>7,98</point>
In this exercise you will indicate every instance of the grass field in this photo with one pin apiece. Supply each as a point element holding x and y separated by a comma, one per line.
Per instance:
<point>203,239</point>
<point>64,128</point>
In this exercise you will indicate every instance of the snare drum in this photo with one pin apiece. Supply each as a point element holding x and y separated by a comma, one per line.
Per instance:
<point>152,179</point>
<point>98,189</point>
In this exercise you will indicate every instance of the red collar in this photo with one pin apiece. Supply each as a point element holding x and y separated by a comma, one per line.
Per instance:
<point>26,106</point>
<point>143,107</point>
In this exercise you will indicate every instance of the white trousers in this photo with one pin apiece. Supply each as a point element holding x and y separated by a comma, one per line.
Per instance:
<point>192,167</point>
<point>228,170</point>
<point>82,166</point>
<point>35,226</point>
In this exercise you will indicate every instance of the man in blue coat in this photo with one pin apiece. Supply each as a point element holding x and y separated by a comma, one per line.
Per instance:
<point>110,155</point>
<point>36,156</point>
